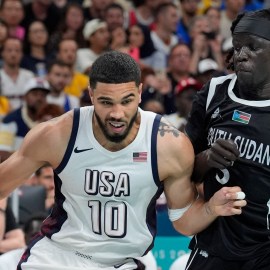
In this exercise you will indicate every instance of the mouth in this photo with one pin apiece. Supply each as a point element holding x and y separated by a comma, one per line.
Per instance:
<point>116,127</point>
<point>242,68</point>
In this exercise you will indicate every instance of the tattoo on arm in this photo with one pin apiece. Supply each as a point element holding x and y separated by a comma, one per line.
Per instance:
<point>165,127</point>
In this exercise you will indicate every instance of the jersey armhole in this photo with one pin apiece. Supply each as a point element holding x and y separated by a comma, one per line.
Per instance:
<point>70,146</point>
<point>154,150</point>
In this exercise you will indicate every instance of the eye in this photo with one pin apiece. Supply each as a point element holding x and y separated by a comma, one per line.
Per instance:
<point>237,48</point>
<point>106,102</point>
<point>253,47</point>
<point>126,101</point>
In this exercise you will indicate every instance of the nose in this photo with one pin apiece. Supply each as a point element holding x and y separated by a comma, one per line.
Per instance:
<point>117,112</point>
<point>242,54</point>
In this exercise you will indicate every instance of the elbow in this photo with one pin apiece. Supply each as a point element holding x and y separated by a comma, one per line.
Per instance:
<point>182,229</point>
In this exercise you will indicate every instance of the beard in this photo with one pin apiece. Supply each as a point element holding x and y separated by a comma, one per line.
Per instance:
<point>117,138</point>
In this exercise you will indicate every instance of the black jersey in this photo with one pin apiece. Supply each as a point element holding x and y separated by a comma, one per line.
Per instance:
<point>219,113</point>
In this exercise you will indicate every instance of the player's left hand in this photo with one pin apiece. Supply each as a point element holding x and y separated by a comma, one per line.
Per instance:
<point>227,201</point>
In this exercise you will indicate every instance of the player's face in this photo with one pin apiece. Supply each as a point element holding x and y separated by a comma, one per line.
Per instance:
<point>116,107</point>
<point>252,63</point>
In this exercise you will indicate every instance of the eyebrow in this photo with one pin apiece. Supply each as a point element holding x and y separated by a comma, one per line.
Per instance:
<point>107,98</point>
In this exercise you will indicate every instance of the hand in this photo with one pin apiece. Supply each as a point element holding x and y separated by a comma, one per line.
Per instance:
<point>225,203</point>
<point>222,154</point>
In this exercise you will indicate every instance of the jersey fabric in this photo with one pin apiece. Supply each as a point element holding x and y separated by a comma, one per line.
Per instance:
<point>218,112</point>
<point>105,201</point>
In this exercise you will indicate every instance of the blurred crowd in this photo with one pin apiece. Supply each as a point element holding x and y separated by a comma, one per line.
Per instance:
<point>47,48</point>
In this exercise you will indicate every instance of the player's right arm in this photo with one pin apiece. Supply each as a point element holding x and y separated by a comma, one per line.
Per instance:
<point>45,143</point>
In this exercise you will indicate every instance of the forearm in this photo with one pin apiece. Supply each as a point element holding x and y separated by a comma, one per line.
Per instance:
<point>14,241</point>
<point>2,224</point>
<point>200,167</point>
<point>3,206</point>
<point>198,217</point>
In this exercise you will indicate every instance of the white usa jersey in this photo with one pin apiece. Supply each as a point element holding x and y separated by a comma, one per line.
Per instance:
<point>105,201</point>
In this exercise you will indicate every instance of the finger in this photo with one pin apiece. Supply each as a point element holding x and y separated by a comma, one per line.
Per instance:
<point>235,195</point>
<point>223,152</point>
<point>239,203</point>
<point>217,161</point>
<point>229,145</point>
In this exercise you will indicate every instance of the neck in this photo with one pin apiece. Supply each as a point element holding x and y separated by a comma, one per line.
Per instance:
<point>38,52</point>
<point>97,49</point>
<point>12,71</point>
<point>254,93</point>
<point>179,75</point>
<point>165,36</point>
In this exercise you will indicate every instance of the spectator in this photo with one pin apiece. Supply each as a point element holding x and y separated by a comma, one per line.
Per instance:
<point>4,107</point>
<point>44,176</point>
<point>36,54</point>
<point>213,15</point>
<point>188,11</point>
<point>114,16</point>
<point>97,35</point>
<point>11,236</point>
<point>69,27</point>
<point>139,37</point>
<point>96,10</point>
<point>85,99</point>
<point>232,9</point>
<point>185,93</point>
<point>166,18</point>
<point>49,111</point>
<point>13,78</point>
<point>153,105</point>
<point>12,14</point>
<point>143,12</point>
<point>59,75</point>
<point>17,123</point>
<point>164,86</point>
<point>67,52</point>
<point>45,11</point>
<point>3,37</point>
<point>205,44</point>
<point>207,69</point>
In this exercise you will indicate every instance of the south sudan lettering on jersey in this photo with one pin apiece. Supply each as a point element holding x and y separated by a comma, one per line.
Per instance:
<point>248,148</point>
<point>219,113</point>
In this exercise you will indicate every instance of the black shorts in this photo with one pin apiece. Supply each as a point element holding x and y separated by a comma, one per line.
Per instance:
<point>200,259</point>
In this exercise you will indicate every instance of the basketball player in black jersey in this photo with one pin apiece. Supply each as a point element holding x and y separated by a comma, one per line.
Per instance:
<point>111,161</point>
<point>229,129</point>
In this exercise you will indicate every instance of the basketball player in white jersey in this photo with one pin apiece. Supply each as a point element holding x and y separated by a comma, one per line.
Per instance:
<point>111,162</point>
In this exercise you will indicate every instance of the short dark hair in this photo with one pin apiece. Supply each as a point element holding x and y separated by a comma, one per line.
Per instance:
<point>114,67</point>
<point>114,6</point>
<point>56,62</point>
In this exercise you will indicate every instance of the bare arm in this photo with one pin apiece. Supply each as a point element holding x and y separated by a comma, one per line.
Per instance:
<point>45,143</point>
<point>180,192</point>
<point>3,206</point>
<point>12,240</point>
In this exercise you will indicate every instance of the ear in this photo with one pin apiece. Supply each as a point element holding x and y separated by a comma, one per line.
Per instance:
<point>91,94</point>
<point>140,92</point>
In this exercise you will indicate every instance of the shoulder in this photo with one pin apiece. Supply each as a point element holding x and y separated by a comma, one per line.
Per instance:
<point>13,116</point>
<point>175,151</point>
<point>26,73</point>
<point>48,141</point>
